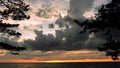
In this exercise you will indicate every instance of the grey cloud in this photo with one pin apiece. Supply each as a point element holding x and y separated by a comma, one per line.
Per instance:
<point>39,1</point>
<point>51,25</point>
<point>98,3</point>
<point>47,12</point>
<point>67,39</point>
<point>64,21</point>
<point>78,7</point>
<point>43,42</point>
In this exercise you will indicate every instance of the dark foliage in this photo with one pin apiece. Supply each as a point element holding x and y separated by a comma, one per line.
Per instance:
<point>15,10</point>
<point>11,48</point>
<point>107,20</point>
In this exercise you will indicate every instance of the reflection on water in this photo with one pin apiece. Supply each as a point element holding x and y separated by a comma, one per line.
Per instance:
<point>59,65</point>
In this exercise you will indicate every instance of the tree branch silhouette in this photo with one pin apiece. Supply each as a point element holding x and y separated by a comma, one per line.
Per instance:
<point>15,10</point>
<point>107,20</point>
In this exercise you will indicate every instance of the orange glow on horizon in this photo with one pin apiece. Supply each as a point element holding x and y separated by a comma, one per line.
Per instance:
<point>58,61</point>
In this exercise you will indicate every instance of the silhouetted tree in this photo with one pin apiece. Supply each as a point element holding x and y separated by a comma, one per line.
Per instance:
<point>107,20</point>
<point>15,10</point>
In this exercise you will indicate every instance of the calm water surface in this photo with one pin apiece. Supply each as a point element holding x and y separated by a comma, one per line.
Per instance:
<point>60,65</point>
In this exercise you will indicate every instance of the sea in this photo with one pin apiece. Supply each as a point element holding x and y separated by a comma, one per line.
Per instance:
<point>62,65</point>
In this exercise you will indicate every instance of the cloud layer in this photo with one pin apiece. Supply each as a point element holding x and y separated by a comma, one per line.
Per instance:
<point>78,7</point>
<point>67,36</point>
<point>51,30</point>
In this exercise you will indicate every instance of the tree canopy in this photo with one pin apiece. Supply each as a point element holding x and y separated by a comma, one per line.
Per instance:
<point>15,10</point>
<point>106,20</point>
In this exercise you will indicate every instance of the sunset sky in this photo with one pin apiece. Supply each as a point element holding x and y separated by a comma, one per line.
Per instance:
<point>50,33</point>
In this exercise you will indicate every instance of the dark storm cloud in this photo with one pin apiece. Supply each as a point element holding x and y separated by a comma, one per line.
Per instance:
<point>67,39</point>
<point>78,7</point>
<point>43,42</point>
<point>67,21</point>
<point>51,25</point>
